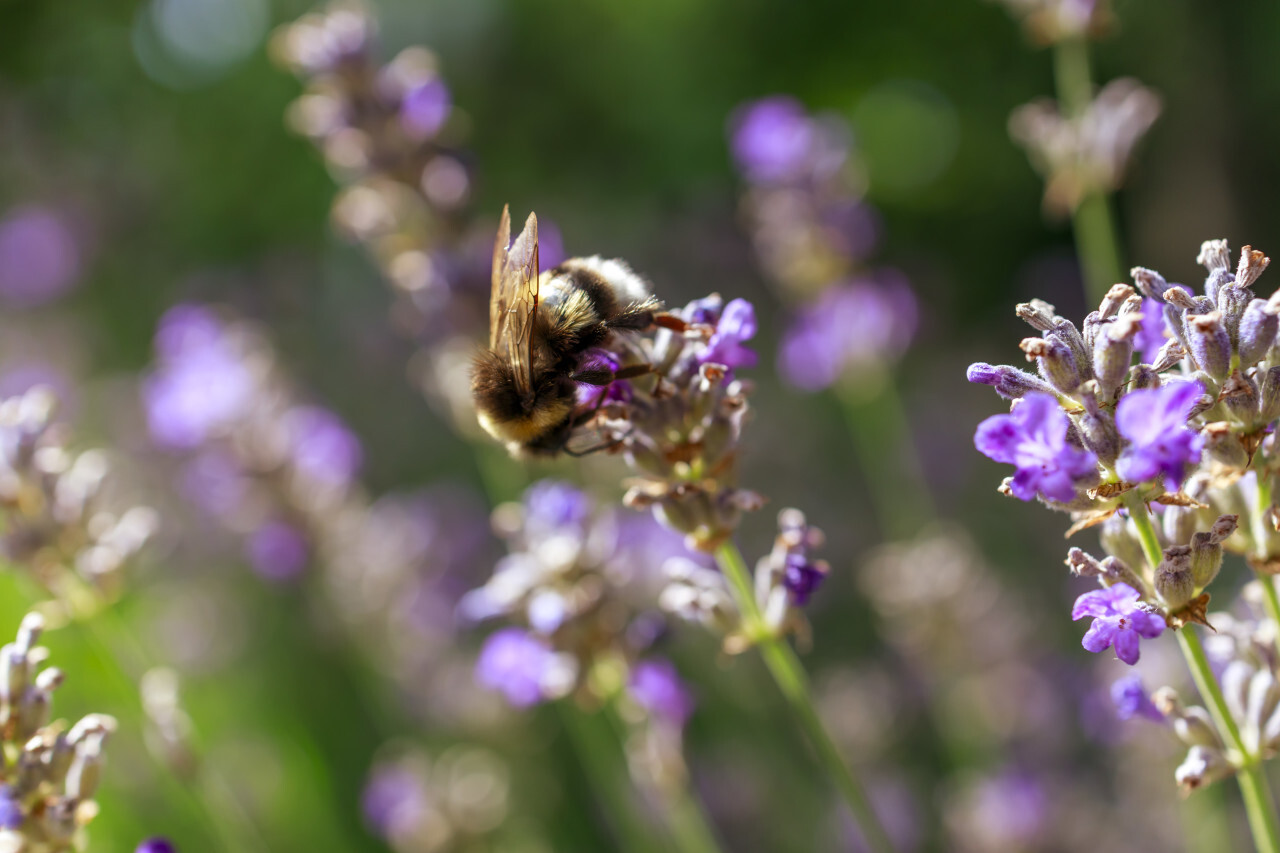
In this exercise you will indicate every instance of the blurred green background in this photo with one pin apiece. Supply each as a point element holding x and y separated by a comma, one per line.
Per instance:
<point>609,118</point>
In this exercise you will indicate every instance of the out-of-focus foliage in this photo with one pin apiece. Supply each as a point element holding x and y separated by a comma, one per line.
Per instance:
<point>151,134</point>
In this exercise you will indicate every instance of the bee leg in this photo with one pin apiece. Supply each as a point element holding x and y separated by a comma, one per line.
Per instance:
<point>600,377</point>
<point>667,320</point>
<point>608,445</point>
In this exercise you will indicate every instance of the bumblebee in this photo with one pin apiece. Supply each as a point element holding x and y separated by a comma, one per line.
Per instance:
<point>541,325</point>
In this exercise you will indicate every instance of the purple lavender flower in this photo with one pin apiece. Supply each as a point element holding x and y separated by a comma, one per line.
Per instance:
<point>656,687</point>
<point>1011,807</point>
<point>550,505</point>
<point>772,139</point>
<point>1033,437</point>
<point>39,256</point>
<point>1154,420</point>
<point>156,845</point>
<point>323,448</point>
<point>424,108</point>
<point>201,385</point>
<point>1132,700</point>
<point>802,577</point>
<point>391,791</point>
<point>215,482</point>
<point>10,809</point>
<point>737,323</point>
<point>517,664</point>
<point>550,244</point>
<point>854,324</point>
<point>277,551</point>
<point>1154,334</point>
<point>1118,620</point>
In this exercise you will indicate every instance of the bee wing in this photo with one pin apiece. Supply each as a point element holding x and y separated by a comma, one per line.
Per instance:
<point>514,299</point>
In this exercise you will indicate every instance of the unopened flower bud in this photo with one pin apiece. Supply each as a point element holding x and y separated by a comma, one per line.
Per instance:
<point>1252,264</point>
<point>1143,376</point>
<point>1231,301</point>
<point>1009,382</point>
<point>1113,352</point>
<point>1118,538</point>
<point>1173,579</point>
<point>1038,314</point>
<point>1258,328</point>
<point>1055,361</point>
<point>1149,282</point>
<point>1240,396</point>
<point>1214,255</point>
<point>1115,297</point>
<point>1224,445</point>
<point>1206,559</point>
<point>1210,344</point>
<point>1269,396</point>
<point>1097,429</point>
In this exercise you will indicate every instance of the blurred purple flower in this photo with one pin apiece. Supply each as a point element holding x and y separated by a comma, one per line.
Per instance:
<point>851,325</point>
<point>10,809</point>
<point>200,385</point>
<point>1118,620</point>
<point>802,578</point>
<point>1132,700</point>
<point>656,687</point>
<point>424,108</point>
<point>1033,437</point>
<point>772,139</point>
<point>215,482</point>
<point>550,244</point>
<point>1154,420</point>
<point>515,663</point>
<point>551,506</point>
<point>1152,335</point>
<point>736,324</point>
<point>40,258</point>
<point>156,845</point>
<point>277,551</point>
<point>324,450</point>
<point>21,378</point>
<point>1011,807</point>
<point>390,792</point>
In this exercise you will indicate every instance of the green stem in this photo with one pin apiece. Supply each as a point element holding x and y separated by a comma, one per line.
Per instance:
<point>881,435</point>
<point>124,658</point>
<point>1258,802</point>
<point>790,677</point>
<point>1270,598</point>
<point>1092,221</point>
<point>598,753</point>
<point>685,817</point>
<point>1260,807</point>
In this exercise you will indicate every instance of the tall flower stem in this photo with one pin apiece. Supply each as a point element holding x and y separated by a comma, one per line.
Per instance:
<point>881,435</point>
<point>1092,220</point>
<point>1270,599</point>
<point>1258,802</point>
<point>599,755</point>
<point>789,674</point>
<point>685,818</point>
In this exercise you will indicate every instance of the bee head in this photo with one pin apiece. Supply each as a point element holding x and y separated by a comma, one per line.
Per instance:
<point>512,417</point>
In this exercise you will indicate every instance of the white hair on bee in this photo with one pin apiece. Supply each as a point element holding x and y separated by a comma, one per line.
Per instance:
<point>628,284</point>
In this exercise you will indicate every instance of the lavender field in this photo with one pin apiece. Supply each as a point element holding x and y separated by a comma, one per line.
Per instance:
<point>495,425</point>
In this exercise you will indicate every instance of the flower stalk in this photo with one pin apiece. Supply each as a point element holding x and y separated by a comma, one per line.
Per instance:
<point>1258,801</point>
<point>790,677</point>
<point>1092,220</point>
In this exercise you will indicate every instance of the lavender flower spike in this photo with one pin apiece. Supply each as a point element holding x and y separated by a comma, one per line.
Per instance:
<point>1118,620</point>
<point>1154,421</point>
<point>1033,437</point>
